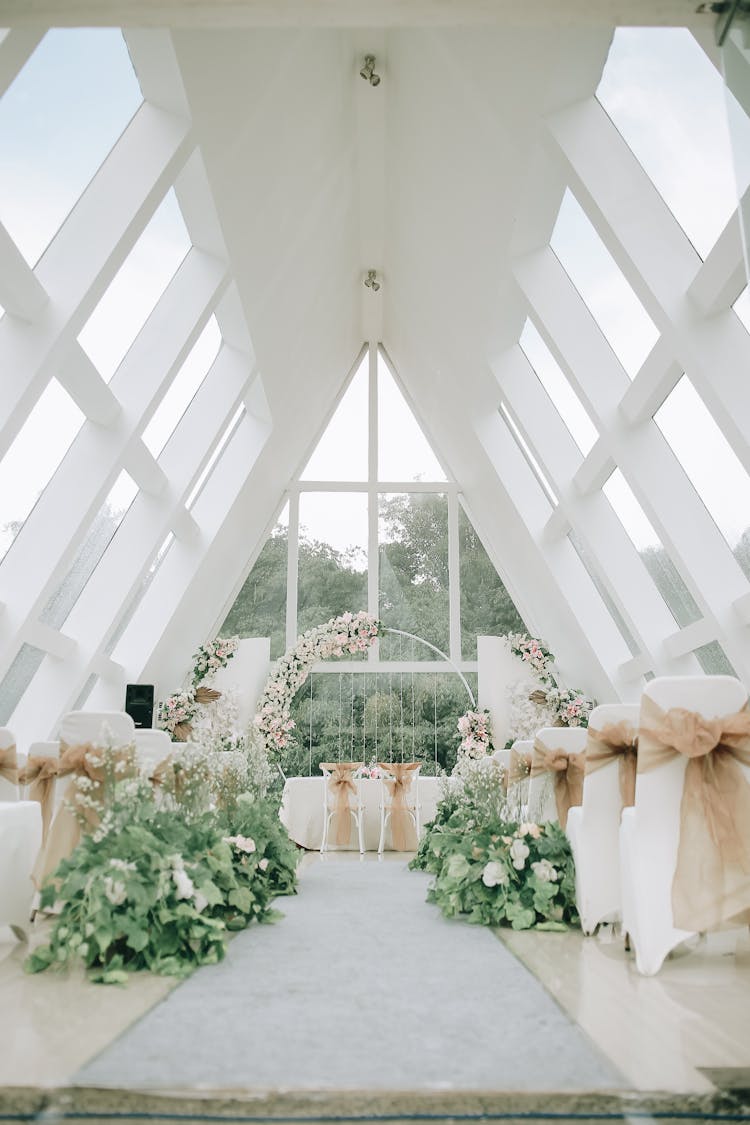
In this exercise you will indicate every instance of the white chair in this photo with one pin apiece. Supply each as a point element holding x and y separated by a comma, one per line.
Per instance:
<point>8,766</point>
<point>519,766</point>
<point>151,747</point>
<point>502,757</point>
<point>100,728</point>
<point>399,794</point>
<point>650,831</point>
<point>20,840</point>
<point>570,742</point>
<point>340,787</point>
<point>594,826</point>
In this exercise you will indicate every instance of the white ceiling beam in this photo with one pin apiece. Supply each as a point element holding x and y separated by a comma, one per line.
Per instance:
<point>15,49</point>
<point>21,292</point>
<point>86,387</point>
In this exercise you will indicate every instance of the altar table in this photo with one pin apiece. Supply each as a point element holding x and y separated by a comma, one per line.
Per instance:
<point>301,811</point>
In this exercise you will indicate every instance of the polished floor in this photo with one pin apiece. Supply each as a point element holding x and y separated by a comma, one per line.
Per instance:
<point>678,1039</point>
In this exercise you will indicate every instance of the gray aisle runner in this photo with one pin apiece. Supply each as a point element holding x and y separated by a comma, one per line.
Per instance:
<point>362,985</point>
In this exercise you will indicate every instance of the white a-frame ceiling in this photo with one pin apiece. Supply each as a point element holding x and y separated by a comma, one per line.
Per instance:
<point>295,177</point>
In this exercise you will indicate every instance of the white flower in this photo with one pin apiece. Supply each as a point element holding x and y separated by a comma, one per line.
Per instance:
<point>201,902</point>
<point>544,871</point>
<point>114,891</point>
<point>121,865</point>
<point>183,883</point>
<point>263,865</point>
<point>494,874</point>
<point>241,843</point>
<point>518,853</point>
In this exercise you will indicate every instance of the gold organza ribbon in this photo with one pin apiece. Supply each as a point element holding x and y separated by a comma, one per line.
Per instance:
<point>341,786</point>
<point>567,771</point>
<point>9,764</point>
<point>399,787</point>
<point>711,884</point>
<point>615,742</point>
<point>65,831</point>
<point>40,774</point>
<point>519,766</point>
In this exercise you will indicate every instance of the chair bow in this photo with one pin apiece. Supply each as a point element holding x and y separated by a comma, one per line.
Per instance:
<point>519,767</point>
<point>341,787</point>
<point>567,771</point>
<point>399,786</point>
<point>615,742</point>
<point>9,764</point>
<point>40,774</point>
<point>711,882</point>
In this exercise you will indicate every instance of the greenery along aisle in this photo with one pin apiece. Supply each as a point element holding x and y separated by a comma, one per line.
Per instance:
<point>159,883</point>
<point>491,868</point>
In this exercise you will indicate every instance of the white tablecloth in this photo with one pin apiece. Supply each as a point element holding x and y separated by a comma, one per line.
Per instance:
<point>302,810</point>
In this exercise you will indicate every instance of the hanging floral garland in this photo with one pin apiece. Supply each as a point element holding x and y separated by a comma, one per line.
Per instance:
<point>350,633</point>
<point>177,712</point>
<point>570,706</point>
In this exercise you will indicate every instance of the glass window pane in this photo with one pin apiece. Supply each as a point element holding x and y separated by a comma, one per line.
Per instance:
<point>137,597</point>
<point>404,453</point>
<point>29,464</point>
<point>203,476</point>
<point>592,570</point>
<point>711,464</point>
<point>487,608</point>
<point>260,607</point>
<point>341,453</point>
<point>555,383</point>
<point>17,679</point>
<point>332,574</point>
<point>668,101</point>
<point>658,563</point>
<point>529,457</point>
<point>388,716</point>
<point>182,389</point>
<point>621,317</point>
<point>413,535</point>
<point>58,121</point>
<point>713,660</point>
<point>136,288</point>
<point>105,524</point>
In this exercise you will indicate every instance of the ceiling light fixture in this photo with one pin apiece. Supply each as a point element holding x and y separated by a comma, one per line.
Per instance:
<point>368,71</point>
<point>371,281</point>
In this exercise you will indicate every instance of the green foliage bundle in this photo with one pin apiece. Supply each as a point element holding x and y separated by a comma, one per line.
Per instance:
<point>496,871</point>
<point>155,889</point>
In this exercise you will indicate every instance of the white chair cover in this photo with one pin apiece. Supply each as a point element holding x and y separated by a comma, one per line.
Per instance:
<point>650,831</point>
<point>593,829</point>
<point>100,728</point>
<point>8,788</point>
<point>542,804</point>
<point>20,840</point>
<point>152,747</point>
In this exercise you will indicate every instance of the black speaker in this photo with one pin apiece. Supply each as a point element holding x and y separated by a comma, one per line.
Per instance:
<point>139,704</point>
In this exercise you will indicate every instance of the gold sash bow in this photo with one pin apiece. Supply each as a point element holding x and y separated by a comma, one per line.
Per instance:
<point>615,742</point>
<point>9,764</point>
<point>711,882</point>
<point>519,766</point>
<point>341,786</point>
<point>399,787</point>
<point>40,774</point>
<point>567,771</point>
<point>64,832</point>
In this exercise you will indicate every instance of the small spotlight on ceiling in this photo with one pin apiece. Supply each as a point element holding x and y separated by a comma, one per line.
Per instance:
<point>371,281</point>
<point>368,71</point>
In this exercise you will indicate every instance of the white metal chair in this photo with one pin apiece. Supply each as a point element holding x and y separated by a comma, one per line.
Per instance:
<point>650,831</point>
<point>342,799</point>
<point>594,826</point>
<point>399,795</point>
<point>570,742</point>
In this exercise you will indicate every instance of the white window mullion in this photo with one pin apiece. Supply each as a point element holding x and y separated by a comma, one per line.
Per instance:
<point>454,592</point>
<point>292,568</point>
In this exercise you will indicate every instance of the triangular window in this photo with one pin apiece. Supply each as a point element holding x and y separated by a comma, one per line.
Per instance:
<point>341,452</point>
<point>404,453</point>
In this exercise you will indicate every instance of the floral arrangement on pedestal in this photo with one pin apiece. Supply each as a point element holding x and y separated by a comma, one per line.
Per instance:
<point>532,706</point>
<point>177,713</point>
<point>351,633</point>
